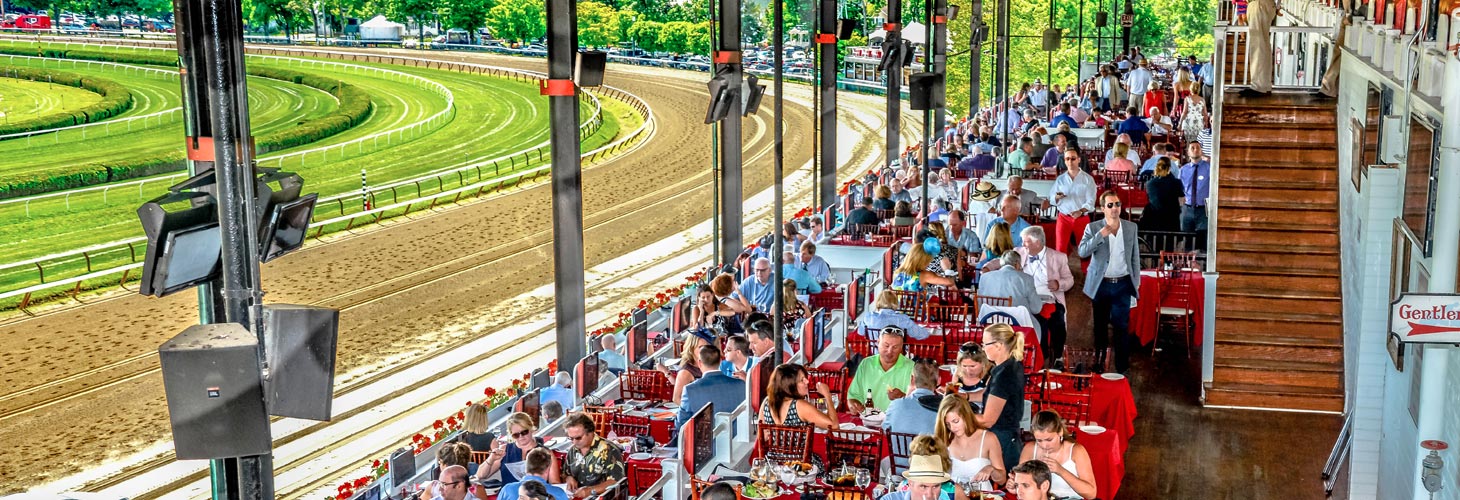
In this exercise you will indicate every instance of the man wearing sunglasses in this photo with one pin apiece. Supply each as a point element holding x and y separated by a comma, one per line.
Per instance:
<point>1114,276</point>
<point>594,463</point>
<point>451,484</point>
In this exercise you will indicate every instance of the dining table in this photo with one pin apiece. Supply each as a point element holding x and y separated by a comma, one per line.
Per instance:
<point>1112,404</point>
<point>1155,293</point>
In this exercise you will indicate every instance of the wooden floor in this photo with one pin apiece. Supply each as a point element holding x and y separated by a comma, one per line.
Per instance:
<point>1184,451</point>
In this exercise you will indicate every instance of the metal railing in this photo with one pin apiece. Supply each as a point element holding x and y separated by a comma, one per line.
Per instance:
<point>1301,55</point>
<point>1338,458</point>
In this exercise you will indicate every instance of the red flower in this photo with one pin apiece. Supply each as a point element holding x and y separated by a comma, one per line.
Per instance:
<point>511,392</point>
<point>417,438</point>
<point>437,424</point>
<point>345,495</point>
<point>491,392</point>
<point>375,464</point>
<point>461,415</point>
<point>360,483</point>
<point>451,421</point>
<point>526,377</point>
<point>643,303</point>
<point>469,403</point>
<point>553,366</point>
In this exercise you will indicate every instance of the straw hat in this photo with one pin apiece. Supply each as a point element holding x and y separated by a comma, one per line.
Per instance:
<point>926,469</point>
<point>984,191</point>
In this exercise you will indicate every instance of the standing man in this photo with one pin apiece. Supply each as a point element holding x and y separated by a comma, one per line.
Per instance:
<point>1195,182</point>
<point>1052,278</point>
<point>1137,83</point>
<point>1113,278</point>
<point>1259,47</point>
<point>1073,196</point>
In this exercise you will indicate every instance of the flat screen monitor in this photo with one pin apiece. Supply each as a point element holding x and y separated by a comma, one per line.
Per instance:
<point>402,467</point>
<point>371,493</point>
<point>189,256</point>
<point>284,228</point>
<point>542,378</point>
<point>531,404</point>
<point>638,339</point>
<point>587,377</point>
<point>698,445</point>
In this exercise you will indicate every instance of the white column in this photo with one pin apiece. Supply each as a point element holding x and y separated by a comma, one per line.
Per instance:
<point>1435,370</point>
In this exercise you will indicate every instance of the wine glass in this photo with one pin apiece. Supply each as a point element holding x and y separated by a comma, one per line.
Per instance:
<point>835,403</point>
<point>864,478</point>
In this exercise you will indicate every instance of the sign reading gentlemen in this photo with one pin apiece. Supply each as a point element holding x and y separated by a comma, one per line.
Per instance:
<point>1426,318</point>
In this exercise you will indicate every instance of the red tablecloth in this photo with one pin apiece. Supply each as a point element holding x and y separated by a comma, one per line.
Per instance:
<point>1112,405</point>
<point>640,472</point>
<point>1146,317</point>
<point>1107,458</point>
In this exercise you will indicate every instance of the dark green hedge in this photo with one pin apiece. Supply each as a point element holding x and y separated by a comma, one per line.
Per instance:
<point>115,100</point>
<point>355,107</point>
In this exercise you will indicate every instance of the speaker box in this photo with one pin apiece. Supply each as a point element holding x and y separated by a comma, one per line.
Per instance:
<point>1051,40</point>
<point>925,91</point>
<point>845,28</point>
<point>588,70</point>
<point>300,347</point>
<point>215,395</point>
<point>1101,19</point>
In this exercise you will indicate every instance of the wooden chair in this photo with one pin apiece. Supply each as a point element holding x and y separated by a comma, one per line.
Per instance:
<point>601,420</point>
<point>901,231</point>
<point>1176,309</point>
<point>626,425</point>
<point>1086,360</point>
<point>954,314</point>
<point>955,337</point>
<point>909,303</point>
<point>480,457</point>
<point>897,448</point>
<point>782,443</point>
<point>860,231</point>
<point>646,385</point>
<point>862,449</point>
<point>835,379</point>
<point>640,478</point>
<point>930,348</point>
<point>983,300</point>
<point>1074,413</point>
<point>1176,263</point>
<point>861,344</point>
<point>847,492</point>
<point>1069,394</point>
<point>1034,385</point>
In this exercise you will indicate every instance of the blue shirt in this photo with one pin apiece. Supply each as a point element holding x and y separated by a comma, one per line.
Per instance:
<point>562,395</point>
<point>757,294</point>
<point>804,282</point>
<point>908,416</point>
<point>509,491</point>
<point>1150,164</point>
<point>1063,118</point>
<point>728,368</point>
<point>818,268</point>
<point>613,360</point>
<point>1195,182</point>
<point>966,241</point>
<point>876,319</point>
<point>719,389</point>
<point>1014,229</point>
<point>907,495</point>
<point>1136,128</point>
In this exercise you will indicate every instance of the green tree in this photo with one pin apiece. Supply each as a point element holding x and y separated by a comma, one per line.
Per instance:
<point>467,14</point>
<point>418,11</point>
<point>596,25</point>
<point>751,27</point>
<point>517,20</point>
<point>645,34</point>
<point>675,37</point>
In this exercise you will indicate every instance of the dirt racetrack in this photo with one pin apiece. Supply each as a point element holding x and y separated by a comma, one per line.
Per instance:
<point>406,287</point>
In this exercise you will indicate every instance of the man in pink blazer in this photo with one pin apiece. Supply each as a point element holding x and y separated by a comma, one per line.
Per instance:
<point>1051,271</point>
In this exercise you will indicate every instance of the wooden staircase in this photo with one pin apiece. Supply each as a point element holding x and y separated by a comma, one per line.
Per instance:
<point>1279,329</point>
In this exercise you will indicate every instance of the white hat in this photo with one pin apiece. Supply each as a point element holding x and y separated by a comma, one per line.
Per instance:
<point>926,469</point>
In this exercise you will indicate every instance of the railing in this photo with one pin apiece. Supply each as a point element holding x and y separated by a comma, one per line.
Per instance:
<point>1300,59</point>
<point>1339,457</point>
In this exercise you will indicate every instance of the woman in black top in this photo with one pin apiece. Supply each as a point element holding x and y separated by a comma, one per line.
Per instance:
<point>474,432</point>
<point>1003,401</point>
<point>1164,197</point>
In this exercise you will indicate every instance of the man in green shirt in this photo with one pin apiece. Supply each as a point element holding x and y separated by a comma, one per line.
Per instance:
<point>1018,159</point>
<point>886,375</point>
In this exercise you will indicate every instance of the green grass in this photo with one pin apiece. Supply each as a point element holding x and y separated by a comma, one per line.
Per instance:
<point>494,117</point>
<point>23,99</point>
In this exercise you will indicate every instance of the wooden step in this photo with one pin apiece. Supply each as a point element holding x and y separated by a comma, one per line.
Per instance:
<point>1287,248</point>
<point>1298,264</point>
<point>1305,134</point>
<point>1280,101</point>
<point>1277,347</point>
<point>1310,280</point>
<point>1285,163</point>
<point>1291,192</point>
<point>1274,397</point>
<point>1320,328</point>
<point>1304,172</point>
<point>1256,151</point>
<point>1309,374</point>
<point>1275,232</point>
<point>1297,183</point>
<point>1237,117</point>
<point>1277,301</point>
<point>1250,211</point>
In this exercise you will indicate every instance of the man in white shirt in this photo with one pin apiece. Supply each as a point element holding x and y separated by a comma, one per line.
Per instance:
<point>1039,97</point>
<point>1113,278</point>
<point>1052,278</point>
<point>1137,83</point>
<point>1073,196</point>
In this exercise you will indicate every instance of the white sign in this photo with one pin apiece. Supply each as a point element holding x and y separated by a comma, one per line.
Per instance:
<point>1426,318</point>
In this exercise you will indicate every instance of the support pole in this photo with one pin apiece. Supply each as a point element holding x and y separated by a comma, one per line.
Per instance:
<point>777,175</point>
<point>1125,30</point>
<point>939,35</point>
<point>567,172</point>
<point>732,197</point>
<point>1001,79</point>
<point>210,51</point>
<point>928,19</point>
<point>827,42</point>
<point>975,55</point>
<point>893,27</point>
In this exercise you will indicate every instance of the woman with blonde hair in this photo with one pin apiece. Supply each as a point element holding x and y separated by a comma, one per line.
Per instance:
<point>883,200</point>
<point>510,456</point>
<point>948,254</point>
<point>689,366</point>
<point>1068,461</point>
<point>930,446</point>
<point>474,429</point>
<point>918,266</point>
<point>884,313</point>
<point>1003,402</point>
<point>794,308</point>
<point>970,380</point>
<point>998,242</point>
<point>975,457</point>
<point>1119,162</point>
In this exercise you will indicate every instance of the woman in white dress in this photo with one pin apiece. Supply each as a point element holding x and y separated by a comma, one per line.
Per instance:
<point>1069,464</point>
<point>975,454</point>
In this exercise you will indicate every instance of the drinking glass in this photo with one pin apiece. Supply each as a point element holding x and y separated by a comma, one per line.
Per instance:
<point>835,402</point>
<point>864,478</point>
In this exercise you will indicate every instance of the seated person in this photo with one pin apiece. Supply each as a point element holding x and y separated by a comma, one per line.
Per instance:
<point>538,461</point>
<point>536,490</point>
<point>865,214</point>
<point>738,357</point>
<point>805,284</point>
<point>925,477</point>
<point>611,358</point>
<point>1009,281</point>
<point>813,264</point>
<point>882,377</point>
<point>1031,480</point>
<point>714,387</point>
<point>757,292</point>
<point>511,455</point>
<point>719,491</point>
<point>973,368</point>
<point>474,429</point>
<point>451,484</point>
<point>884,313</point>
<point>792,307</point>
<point>1068,462</point>
<point>917,412</point>
<point>561,390</point>
<point>689,366</point>
<point>594,463</point>
<point>1120,161</point>
<point>884,199</point>
<point>919,268</point>
<point>723,287</point>
<point>710,313</point>
<point>787,403</point>
<point>899,190</point>
<point>551,412</point>
<point>975,452</point>
<point>902,214</point>
<point>939,210</point>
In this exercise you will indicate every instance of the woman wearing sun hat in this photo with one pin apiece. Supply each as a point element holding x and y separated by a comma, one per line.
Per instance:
<point>982,196</point>
<point>925,476</point>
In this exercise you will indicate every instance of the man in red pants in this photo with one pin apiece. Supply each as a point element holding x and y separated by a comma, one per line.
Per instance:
<point>1073,196</point>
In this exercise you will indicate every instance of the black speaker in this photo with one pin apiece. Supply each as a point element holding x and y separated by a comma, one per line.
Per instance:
<point>845,28</point>
<point>1101,19</point>
<point>215,395</point>
<point>925,91</point>
<point>1051,40</point>
<point>588,69</point>
<point>300,347</point>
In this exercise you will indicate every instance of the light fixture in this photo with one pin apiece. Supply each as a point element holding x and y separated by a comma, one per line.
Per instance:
<point>183,243</point>
<point>753,92</point>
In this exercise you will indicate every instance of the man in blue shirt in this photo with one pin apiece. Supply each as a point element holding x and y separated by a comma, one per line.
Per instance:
<point>561,391</point>
<point>1009,215</point>
<point>917,412</point>
<point>1158,150</point>
<point>738,358</point>
<point>714,387</point>
<point>1063,117</point>
<point>611,358</point>
<point>538,461</point>
<point>804,282</point>
<point>884,313</point>
<point>1196,184</point>
<point>757,292</point>
<point>1135,127</point>
<point>814,265</point>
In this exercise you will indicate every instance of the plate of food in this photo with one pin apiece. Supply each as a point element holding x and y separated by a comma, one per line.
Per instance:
<point>640,456</point>
<point>759,491</point>
<point>1112,376</point>
<point>873,417</point>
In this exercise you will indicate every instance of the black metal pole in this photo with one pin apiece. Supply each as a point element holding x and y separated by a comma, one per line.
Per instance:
<point>827,161</point>
<point>210,50</point>
<point>923,154</point>
<point>567,175</point>
<point>1080,51</point>
<point>1125,28</point>
<point>732,197</point>
<point>893,27</point>
<point>975,56</point>
<point>1001,78</point>
<point>777,169</point>
<point>940,62</point>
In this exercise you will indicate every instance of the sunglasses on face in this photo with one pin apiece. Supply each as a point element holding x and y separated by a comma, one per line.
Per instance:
<point>521,434</point>
<point>1114,204</point>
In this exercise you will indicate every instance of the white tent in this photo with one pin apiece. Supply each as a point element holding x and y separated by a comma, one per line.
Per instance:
<point>915,32</point>
<point>380,28</point>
